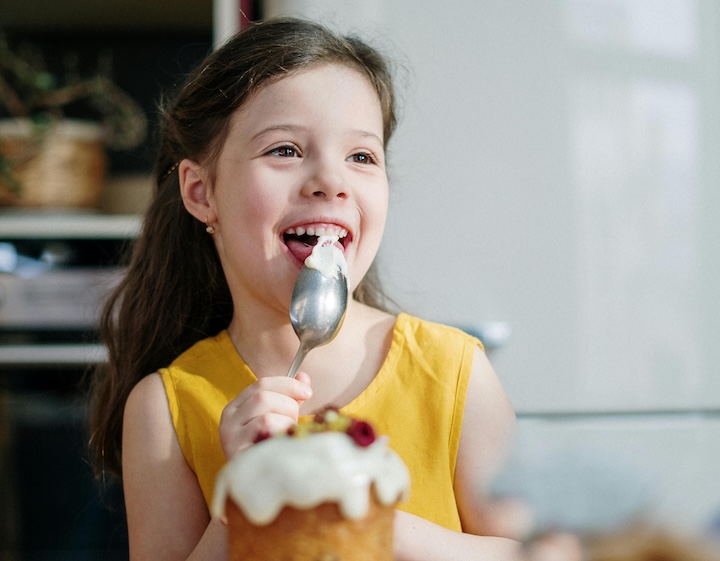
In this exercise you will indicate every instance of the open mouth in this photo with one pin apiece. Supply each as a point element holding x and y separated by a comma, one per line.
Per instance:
<point>301,239</point>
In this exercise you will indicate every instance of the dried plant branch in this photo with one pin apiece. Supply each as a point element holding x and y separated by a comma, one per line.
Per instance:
<point>28,90</point>
<point>34,92</point>
<point>11,100</point>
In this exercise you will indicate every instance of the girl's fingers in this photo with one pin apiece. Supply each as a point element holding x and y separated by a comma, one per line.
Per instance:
<point>297,389</point>
<point>235,437</point>
<point>303,378</point>
<point>269,406</point>
<point>265,425</point>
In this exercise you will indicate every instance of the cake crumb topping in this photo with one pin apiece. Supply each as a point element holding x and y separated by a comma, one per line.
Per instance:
<point>329,419</point>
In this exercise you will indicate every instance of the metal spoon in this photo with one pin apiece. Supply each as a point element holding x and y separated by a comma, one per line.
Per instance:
<point>317,310</point>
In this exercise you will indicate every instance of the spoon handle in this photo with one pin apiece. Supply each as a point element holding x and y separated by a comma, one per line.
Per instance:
<point>297,361</point>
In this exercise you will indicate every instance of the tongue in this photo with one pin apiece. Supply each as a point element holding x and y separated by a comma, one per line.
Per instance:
<point>299,249</point>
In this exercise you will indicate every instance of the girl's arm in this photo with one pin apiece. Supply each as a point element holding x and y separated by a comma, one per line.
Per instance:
<point>488,429</point>
<point>488,425</point>
<point>166,512</point>
<point>417,539</point>
<point>420,540</point>
<point>167,516</point>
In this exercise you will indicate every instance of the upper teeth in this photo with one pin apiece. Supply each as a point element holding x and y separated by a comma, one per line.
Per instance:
<point>319,231</point>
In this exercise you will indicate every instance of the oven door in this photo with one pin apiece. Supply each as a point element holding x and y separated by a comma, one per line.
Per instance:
<point>52,507</point>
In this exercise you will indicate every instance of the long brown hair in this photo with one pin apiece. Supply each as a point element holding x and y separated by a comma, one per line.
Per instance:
<point>175,292</point>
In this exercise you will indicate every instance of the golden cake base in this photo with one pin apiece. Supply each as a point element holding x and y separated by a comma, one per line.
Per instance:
<point>318,534</point>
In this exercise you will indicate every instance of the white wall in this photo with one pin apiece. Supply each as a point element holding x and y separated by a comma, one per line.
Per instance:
<point>557,167</point>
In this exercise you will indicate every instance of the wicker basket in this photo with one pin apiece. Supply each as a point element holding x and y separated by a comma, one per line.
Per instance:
<point>60,167</point>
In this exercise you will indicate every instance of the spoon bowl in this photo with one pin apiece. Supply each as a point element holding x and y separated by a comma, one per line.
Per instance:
<point>317,310</point>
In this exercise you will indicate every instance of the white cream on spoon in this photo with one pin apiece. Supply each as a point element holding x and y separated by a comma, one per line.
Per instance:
<point>328,258</point>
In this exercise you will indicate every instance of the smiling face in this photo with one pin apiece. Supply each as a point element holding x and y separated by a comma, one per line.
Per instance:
<point>303,157</point>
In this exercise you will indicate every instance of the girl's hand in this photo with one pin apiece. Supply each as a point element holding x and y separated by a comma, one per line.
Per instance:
<point>270,405</point>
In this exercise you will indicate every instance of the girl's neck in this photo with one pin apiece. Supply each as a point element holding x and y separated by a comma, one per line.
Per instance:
<point>267,343</point>
<point>263,340</point>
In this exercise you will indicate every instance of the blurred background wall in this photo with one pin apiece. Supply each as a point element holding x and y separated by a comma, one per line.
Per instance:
<point>555,188</point>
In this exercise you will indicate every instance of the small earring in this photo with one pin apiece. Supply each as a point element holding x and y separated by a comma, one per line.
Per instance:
<point>209,229</point>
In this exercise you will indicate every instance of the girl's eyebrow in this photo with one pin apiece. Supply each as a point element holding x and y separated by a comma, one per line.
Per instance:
<point>368,134</point>
<point>278,127</point>
<point>293,128</point>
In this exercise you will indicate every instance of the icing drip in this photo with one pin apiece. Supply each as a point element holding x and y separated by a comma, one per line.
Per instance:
<point>305,472</point>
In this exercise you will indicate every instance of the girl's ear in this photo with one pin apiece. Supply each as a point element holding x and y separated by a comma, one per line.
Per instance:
<point>195,191</point>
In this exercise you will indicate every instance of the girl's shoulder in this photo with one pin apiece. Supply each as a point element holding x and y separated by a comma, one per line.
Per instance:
<point>147,402</point>
<point>203,350</point>
<point>426,332</point>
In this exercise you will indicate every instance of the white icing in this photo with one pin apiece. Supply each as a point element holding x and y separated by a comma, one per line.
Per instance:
<point>327,258</point>
<point>308,471</point>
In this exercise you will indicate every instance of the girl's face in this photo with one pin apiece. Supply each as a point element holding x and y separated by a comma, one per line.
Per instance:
<point>304,154</point>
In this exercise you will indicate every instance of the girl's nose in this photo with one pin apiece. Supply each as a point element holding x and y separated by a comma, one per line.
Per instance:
<point>326,182</point>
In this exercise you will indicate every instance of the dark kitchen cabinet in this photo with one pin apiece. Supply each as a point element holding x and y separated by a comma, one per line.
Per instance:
<point>51,506</point>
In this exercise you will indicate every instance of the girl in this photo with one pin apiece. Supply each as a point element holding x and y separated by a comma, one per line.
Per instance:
<point>280,136</point>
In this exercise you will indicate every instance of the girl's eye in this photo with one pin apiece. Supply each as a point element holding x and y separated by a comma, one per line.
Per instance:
<point>285,152</point>
<point>363,158</point>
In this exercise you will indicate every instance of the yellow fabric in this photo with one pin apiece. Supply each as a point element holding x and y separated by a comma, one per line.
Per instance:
<point>416,399</point>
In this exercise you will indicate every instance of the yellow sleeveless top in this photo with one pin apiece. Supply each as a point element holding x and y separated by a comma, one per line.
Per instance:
<point>416,399</point>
